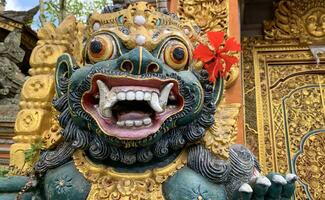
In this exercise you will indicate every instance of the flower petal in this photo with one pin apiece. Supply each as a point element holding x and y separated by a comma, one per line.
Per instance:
<point>203,53</point>
<point>214,68</point>
<point>231,45</point>
<point>216,38</point>
<point>229,61</point>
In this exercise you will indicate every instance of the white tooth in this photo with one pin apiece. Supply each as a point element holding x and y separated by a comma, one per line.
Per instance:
<point>103,91</point>
<point>130,95</point>
<point>171,96</point>
<point>164,94</point>
<point>147,121</point>
<point>138,123</point>
<point>154,103</point>
<point>120,123</point>
<point>106,99</point>
<point>147,96</point>
<point>121,96</point>
<point>106,112</point>
<point>139,95</point>
<point>128,123</point>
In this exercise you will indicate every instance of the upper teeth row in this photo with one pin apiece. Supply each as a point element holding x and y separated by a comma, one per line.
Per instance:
<point>107,98</point>
<point>134,95</point>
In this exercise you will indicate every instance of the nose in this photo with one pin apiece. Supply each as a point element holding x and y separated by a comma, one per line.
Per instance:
<point>139,61</point>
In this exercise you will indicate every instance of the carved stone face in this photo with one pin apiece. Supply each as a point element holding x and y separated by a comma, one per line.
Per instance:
<point>138,93</point>
<point>315,22</point>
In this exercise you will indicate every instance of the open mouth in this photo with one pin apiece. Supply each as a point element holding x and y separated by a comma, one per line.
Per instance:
<point>131,109</point>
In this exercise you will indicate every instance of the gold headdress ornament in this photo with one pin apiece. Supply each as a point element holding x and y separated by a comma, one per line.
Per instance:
<point>303,20</point>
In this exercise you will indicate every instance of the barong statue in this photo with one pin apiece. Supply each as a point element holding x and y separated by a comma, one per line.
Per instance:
<point>134,108</point>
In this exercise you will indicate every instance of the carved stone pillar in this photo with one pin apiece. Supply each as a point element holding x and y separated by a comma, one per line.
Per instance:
<point>36,119</point>
<point>11,81</point>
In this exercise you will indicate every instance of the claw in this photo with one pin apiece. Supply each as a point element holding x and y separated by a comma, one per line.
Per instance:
<point>245,188</point>
<point>279,179</point>
<point>290,178</point>
<point>262,180</point>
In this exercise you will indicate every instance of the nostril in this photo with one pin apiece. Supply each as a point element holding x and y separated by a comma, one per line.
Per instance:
<point>152,67</point>
<point>126,66</point>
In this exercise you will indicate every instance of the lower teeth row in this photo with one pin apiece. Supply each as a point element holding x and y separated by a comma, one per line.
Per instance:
<point>131,123</point>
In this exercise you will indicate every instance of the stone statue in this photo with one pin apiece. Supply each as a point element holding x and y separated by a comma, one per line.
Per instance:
<point>11,79</point>
<point>133,118</point>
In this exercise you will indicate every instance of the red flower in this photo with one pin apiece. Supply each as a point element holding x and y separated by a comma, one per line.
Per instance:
<point>217,62</point>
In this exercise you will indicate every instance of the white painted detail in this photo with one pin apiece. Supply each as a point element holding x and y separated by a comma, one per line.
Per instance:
<point>291,177</point>
<point>147,121</point>
<point>139,20</point>
<point>120,123</point>
<point>164,95</point>
<point>128,123</point>
<point>138,122</point>
<point>147,96</point>
<point>121,96</point>
<point>263,180</point>
<point>154,103</point>
<point>140,40</point>
<point>245,188</point>
<point>186,31</point>
<point>279,179</point>
<point>96,26</point>
<point>139,95</point>
<point>130,96</point>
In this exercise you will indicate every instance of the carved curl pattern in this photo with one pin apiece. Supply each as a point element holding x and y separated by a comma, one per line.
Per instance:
<point>297,19</point>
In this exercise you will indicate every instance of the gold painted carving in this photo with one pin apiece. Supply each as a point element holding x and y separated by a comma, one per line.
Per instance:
<point>297,19</point>
<point>37,120</point>
<point>108,184</point>
<point>284,100</point>
<point>223,132</point>
<point>312,155</point>
<point>209,15</point>
<point>151,34</point>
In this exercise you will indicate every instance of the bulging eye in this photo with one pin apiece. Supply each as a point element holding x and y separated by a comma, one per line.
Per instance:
<point>176,55</point>
<point>101,47</point>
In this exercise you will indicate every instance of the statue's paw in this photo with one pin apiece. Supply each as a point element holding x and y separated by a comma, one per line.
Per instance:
<point>288,190</point>
<point>281,187</point>
<point>245,192</point>
<point>272,187</point>
<point>260,187</point>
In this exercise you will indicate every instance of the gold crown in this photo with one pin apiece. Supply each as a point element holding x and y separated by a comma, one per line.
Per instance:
<point>142,19</point>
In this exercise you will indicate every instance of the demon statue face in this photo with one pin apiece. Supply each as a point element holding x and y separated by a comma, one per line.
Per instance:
<point>138,98</point>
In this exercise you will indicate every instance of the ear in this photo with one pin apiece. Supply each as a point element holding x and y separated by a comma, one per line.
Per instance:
<point>63,72</point>
<point>218,90</point>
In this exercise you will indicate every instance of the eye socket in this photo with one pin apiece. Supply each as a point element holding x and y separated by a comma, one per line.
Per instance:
<point>101,47</point>
<point>311,19</point>
<point>176,55</point>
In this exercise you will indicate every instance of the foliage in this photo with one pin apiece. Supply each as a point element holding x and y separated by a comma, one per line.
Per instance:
<point>56,10</point>
<point>33,151</point>
<point>3,171</point>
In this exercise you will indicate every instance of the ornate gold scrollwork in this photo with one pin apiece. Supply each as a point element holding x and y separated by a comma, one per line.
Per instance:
<point>110,184</point>
<point>284,100</point>
<point>298,19</point>
<point>209,15</point>
<point>223,132</point>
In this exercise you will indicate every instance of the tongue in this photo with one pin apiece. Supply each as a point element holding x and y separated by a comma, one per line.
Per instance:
<point>133,115</point>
